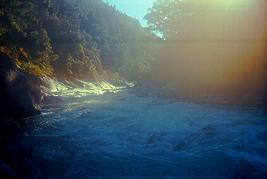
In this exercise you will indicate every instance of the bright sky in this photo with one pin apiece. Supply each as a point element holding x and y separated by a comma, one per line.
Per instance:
<point>133,8</point>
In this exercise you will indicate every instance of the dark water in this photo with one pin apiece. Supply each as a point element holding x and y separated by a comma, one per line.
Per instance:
<point>125,136</point>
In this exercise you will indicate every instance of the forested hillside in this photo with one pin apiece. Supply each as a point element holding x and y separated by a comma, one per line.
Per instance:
<point>67,39</point>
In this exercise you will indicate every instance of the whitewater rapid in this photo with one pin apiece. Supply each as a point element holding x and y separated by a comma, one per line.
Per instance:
<point>126,135</point>
<point>81,88</point>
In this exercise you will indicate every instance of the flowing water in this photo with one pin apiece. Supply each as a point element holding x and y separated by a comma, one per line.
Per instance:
<point>124,135</point>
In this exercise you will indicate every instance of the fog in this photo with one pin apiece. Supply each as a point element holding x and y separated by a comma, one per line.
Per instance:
<point>219,45</point>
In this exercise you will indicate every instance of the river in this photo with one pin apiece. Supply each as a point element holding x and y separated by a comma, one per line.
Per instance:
<point>126,135</point>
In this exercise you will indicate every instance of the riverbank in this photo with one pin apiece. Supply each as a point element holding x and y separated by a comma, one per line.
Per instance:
<point>53,93</point>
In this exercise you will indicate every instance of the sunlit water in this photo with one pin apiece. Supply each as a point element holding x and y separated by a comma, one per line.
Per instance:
<point>124,135</point>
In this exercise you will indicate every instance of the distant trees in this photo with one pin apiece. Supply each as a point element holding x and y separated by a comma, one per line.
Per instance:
<point>164,17</point>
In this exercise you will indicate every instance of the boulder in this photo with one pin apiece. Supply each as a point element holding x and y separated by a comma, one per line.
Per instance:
<point>20,93</point>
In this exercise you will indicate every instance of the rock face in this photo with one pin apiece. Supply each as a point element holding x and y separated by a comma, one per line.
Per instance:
<point>20,94</point>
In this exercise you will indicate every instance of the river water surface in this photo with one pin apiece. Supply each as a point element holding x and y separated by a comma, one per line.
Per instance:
<point>123,135</point>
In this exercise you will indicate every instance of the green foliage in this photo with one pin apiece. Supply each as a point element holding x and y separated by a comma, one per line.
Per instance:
<point>75,37</point>
<point>166,16</point>
<point>36,70</point>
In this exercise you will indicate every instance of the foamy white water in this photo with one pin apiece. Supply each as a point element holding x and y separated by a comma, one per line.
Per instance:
<point>122,135</point>
<point>82,89</point>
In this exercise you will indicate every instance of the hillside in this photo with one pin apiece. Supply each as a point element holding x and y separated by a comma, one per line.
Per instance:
<point>66,39</point>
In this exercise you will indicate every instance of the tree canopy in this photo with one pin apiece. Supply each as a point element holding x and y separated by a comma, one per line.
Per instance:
<point>77,38</point>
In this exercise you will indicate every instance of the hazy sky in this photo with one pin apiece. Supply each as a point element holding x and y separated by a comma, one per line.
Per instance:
<point>134,8</point>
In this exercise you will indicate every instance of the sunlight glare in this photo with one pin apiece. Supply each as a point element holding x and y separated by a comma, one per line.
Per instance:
<point>226,3</point>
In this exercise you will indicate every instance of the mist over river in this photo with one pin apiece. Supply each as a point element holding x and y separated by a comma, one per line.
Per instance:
<point>126,135</point>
